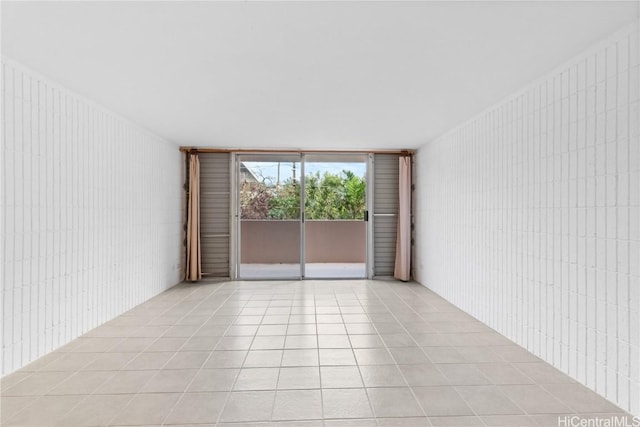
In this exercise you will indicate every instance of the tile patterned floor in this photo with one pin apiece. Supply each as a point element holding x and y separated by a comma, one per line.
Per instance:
<point>300,354</point>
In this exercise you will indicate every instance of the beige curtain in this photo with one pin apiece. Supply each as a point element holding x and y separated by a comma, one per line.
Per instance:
<point>402,269</point>
<point>194,267</point>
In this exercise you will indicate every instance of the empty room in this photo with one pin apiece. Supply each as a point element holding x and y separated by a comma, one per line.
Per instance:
<point>320,214</point>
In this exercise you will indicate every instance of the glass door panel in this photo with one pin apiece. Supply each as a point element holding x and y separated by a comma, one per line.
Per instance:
<point>269,198</point>
<point>335,231</point>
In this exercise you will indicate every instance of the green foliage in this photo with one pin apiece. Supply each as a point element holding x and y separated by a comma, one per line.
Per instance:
<point>327,196</point>
<point>333,196</point>
<point>285,203</point>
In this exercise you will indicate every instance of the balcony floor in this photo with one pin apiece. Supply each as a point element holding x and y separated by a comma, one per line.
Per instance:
<point>295,353</point>
<point>312,270</point>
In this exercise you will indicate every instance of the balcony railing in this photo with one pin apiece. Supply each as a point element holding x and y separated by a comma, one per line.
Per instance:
<point>326,241</point>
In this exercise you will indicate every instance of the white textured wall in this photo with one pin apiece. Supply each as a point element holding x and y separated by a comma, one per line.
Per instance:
<point>91,216</point>
<point>528,218</point>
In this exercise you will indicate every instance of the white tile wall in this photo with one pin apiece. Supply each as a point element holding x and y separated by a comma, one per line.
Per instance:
<point>528,217</point>
<point>91,215</point>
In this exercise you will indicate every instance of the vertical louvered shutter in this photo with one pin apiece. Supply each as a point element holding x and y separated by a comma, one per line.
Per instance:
<point>215,189</point>
<point>385,213</point>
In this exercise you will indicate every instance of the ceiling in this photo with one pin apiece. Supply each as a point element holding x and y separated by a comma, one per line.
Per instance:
<point>305,75</point>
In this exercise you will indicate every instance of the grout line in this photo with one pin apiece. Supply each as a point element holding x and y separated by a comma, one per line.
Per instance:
<point>373,412</point>
<point>391,355</point>
<point>381,292</point>
<point>73,373</point>
<point>244,360</point>
<point>422,350</point>
<point>315,316</point>
<point>218,287</point>
<point>497,386</point>
<point>231,324</point>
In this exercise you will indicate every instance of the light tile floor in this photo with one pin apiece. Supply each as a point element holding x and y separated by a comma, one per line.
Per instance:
<point>314,353</point>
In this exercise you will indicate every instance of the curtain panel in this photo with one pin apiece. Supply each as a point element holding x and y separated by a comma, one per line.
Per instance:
<point>402,270</point>
<point>194,263</point>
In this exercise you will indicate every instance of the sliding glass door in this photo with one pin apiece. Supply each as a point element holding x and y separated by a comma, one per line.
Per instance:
<point>335,231</point>
<point>270,214</point>
<point>301,216</point>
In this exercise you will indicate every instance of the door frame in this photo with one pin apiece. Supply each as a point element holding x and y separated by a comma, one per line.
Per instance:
<point>236,220</point>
